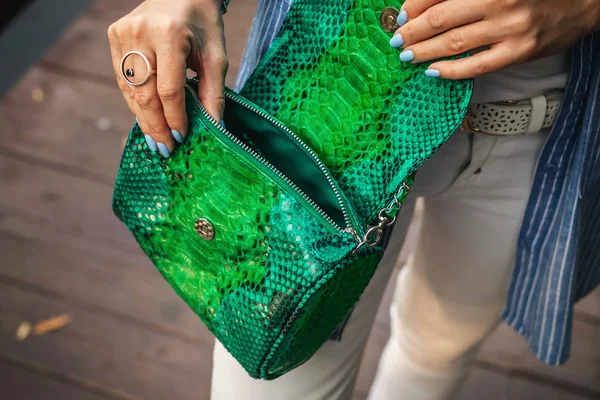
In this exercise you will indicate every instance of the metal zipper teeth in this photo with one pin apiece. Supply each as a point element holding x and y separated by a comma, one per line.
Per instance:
<point>263,161</point>
<point>310,151</point>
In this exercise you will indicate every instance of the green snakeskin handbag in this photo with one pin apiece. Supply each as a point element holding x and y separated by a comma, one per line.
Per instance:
<point>270,229</point>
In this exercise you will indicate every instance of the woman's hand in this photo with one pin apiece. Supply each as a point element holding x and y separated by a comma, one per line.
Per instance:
<point>511,31</point>
<point>174,36</point>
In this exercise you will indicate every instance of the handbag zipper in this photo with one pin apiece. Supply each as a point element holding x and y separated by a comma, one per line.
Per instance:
<point>262,162</point>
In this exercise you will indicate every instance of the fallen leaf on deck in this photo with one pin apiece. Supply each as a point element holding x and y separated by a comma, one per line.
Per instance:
<point>52,324</point>
<point>23,331</point>
<point>37,94</point>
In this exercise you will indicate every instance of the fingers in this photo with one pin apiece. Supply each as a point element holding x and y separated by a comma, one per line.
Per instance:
<point>115,50</point>
<point>171,77</point>
<point>453,42</point>
<point>166,32</point>
<point>497,57</point>
<point>143,101</point>
<point>151,117</point>
<point>211,70</point>
<point>438,19</point>
<point>211,86</point>
<point>439,29</point>
<point>414,8</point>
<point>160,113</point>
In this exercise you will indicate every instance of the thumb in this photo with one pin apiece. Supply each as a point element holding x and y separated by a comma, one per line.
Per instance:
<point>211,83</point>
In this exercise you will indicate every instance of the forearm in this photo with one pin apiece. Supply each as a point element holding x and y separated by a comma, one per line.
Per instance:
<point>594,14</point>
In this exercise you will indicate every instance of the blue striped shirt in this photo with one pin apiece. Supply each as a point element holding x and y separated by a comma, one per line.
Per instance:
<point>558,253</point>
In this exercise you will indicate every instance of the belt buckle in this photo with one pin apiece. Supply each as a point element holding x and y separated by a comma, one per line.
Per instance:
<point>466,126</point>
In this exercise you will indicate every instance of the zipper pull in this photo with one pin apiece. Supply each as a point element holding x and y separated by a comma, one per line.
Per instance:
<point>386,216</point>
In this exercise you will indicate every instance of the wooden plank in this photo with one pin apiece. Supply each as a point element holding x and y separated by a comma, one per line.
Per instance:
<point>54,254</point>
<point>78,128</point>
<point>94,119</point>
<point>64,239</point>
<point>489,385</point>
<point>19,383</point>
<point>29,34</point>
<point>61,233</point>
<point>589,307</point>
<point>110,353</point>
<point>70,204</point>
<point>508,349</point>
<point>136,294</point>
<point>84,47</point>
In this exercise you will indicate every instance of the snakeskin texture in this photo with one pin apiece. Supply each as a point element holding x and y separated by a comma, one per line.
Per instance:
<point>269,254</point>
<point>275,281</point>
<point>332,78</point>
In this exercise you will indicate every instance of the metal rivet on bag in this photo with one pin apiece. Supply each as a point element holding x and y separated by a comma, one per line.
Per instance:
<point>204,229</point>
<point>389,19</point>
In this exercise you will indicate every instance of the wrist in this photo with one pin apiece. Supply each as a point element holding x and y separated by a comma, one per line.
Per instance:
<point>592,10</point>
<point>204,7</point>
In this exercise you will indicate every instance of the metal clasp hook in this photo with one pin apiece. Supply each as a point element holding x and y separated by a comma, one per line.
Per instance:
<point>375,233</point>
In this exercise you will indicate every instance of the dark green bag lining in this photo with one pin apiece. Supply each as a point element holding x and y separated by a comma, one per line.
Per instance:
<point>285,154</point>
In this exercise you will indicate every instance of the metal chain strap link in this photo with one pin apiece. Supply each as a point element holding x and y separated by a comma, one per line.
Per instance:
<point>224,5</point>
<point>386,217</point>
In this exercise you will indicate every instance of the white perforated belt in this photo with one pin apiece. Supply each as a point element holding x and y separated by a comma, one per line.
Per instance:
<point>513,117</point>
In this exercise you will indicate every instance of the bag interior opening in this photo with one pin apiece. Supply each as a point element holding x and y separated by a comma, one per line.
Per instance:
<point>285,154</point>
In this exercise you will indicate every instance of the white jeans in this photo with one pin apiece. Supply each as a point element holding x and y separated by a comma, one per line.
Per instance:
<point>448,297</point>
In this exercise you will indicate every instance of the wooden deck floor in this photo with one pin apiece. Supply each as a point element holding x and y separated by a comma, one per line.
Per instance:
<point>62,251</point>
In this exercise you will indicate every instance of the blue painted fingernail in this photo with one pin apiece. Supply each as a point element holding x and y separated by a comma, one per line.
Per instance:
<point>432,73</point>
<point>402,18</point>
<point>407,56</point>
<point>150,142</point>
<point>397,41</point>
<point>164,150</point>
<point>177,136</point>
<point>223,123</point>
